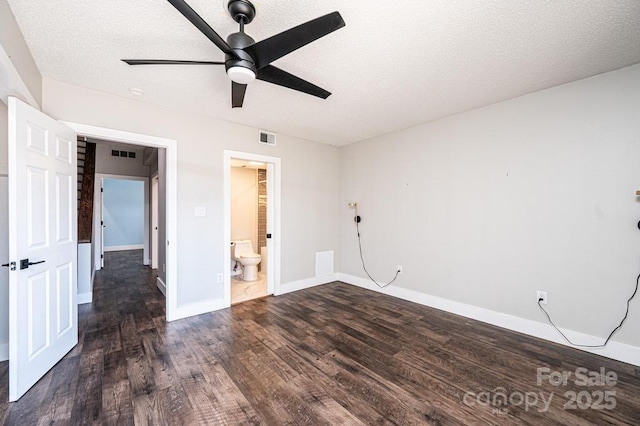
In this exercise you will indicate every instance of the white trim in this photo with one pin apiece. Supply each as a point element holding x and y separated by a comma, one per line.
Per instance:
<point>4,352</point>
<point>199,308</point>
<point>306,283</point>
<point>217,304</point>
<point>161,286</point>
<point>274,183</point>
<point>171,207</point>
<point>124,248</point>
<point>614,350</point>
<point>85,298</point>
<point>11,82</point>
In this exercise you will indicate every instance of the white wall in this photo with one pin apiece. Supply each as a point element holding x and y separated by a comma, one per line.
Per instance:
<point>244,205</point>
<point>13,45</point>
<point>309,183</point>
<point>488,206</point>
<point>110,165</point>
<point>16,49</point>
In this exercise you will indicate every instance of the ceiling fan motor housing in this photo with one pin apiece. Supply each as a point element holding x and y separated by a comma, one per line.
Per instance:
<point>238,41</point>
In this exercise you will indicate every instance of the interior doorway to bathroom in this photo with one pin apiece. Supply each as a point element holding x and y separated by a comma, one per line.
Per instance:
<point>251,226</point>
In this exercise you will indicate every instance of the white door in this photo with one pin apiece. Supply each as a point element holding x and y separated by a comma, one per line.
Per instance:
<point>154,222</point>
<point>43,314</point>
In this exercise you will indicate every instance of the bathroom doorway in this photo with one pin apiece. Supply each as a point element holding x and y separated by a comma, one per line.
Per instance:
<point>251,219</point>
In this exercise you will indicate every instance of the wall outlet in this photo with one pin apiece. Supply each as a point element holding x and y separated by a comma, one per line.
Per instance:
<point>220,277</point>
<point>399,268</point>
<point>541,295</point>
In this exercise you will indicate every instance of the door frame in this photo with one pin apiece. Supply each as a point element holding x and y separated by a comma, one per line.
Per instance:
<point>97,220</point>
<point>273,219</point>
<point>171,196</point>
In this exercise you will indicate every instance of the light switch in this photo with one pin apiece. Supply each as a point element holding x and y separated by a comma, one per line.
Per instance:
<point>201,211</point>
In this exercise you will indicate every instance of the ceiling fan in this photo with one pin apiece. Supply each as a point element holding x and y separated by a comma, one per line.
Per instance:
<point>246,60</point>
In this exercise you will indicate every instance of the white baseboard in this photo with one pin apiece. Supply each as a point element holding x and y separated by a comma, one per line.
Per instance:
<point>123,248</point>
<point>217,304</point>
<point>614,350</point>
<point>302,284</point>
<point>161,286</point>
<point>4,351</point>
<point>198,308</point>
<point>85,298</point>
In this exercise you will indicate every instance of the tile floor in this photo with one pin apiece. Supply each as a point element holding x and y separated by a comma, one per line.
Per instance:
<point>241,291</point>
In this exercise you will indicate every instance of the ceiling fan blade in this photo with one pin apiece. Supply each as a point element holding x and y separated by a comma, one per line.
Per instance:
<point>201,24</point>
<point>167,62</point>
<point>237,94</point>
<point>282,78</point>
<point>268,50</point>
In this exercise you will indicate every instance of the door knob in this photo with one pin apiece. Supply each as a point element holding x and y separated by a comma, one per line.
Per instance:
<point>24,263</point>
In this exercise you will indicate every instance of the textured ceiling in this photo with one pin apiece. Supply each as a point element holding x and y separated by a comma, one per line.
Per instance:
<point>396,63</point>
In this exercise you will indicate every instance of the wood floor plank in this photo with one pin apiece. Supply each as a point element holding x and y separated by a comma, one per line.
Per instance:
<point>332,354</point>
<point>27,410</point>
<point>116,394</point>
<point>56,407</point>
<point>87,407</point>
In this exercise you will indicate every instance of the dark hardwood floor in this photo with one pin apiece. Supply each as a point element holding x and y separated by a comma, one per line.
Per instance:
<point>333,354</point>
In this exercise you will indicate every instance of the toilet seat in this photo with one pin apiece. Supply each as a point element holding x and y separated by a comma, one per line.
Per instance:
<point>250,256</point>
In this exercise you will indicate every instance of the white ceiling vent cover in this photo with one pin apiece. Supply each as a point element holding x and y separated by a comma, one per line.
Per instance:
<point>267,138</point>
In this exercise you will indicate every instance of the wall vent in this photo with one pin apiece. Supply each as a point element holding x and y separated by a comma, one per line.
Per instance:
<point>267,138</point>
<point>118,153</point>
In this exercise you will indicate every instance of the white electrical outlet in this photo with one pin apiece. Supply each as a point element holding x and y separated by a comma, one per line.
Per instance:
<point>399,269</point>
<point>220,277</point>
<point>541,296</point>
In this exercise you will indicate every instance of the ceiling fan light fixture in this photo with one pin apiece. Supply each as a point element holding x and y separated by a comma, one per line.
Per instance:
<point>241,75</point>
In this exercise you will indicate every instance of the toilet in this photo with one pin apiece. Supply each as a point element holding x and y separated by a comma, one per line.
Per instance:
<point>242,251</point>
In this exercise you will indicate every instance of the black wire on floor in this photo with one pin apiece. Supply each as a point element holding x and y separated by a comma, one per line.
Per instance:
<point>357,220</point>
<point>612,332</point>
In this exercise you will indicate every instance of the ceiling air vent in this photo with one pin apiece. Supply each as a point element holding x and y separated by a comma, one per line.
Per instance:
<point>268,138</point>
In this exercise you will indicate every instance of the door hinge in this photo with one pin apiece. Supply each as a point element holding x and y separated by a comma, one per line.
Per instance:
<point>101,189</point>
<point>102,256</point>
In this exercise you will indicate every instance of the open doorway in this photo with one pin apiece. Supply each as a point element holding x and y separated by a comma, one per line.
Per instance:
<point>167,220</point>
<point>252,223</point>
<point>249,253</point>
<point>124,215</point>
